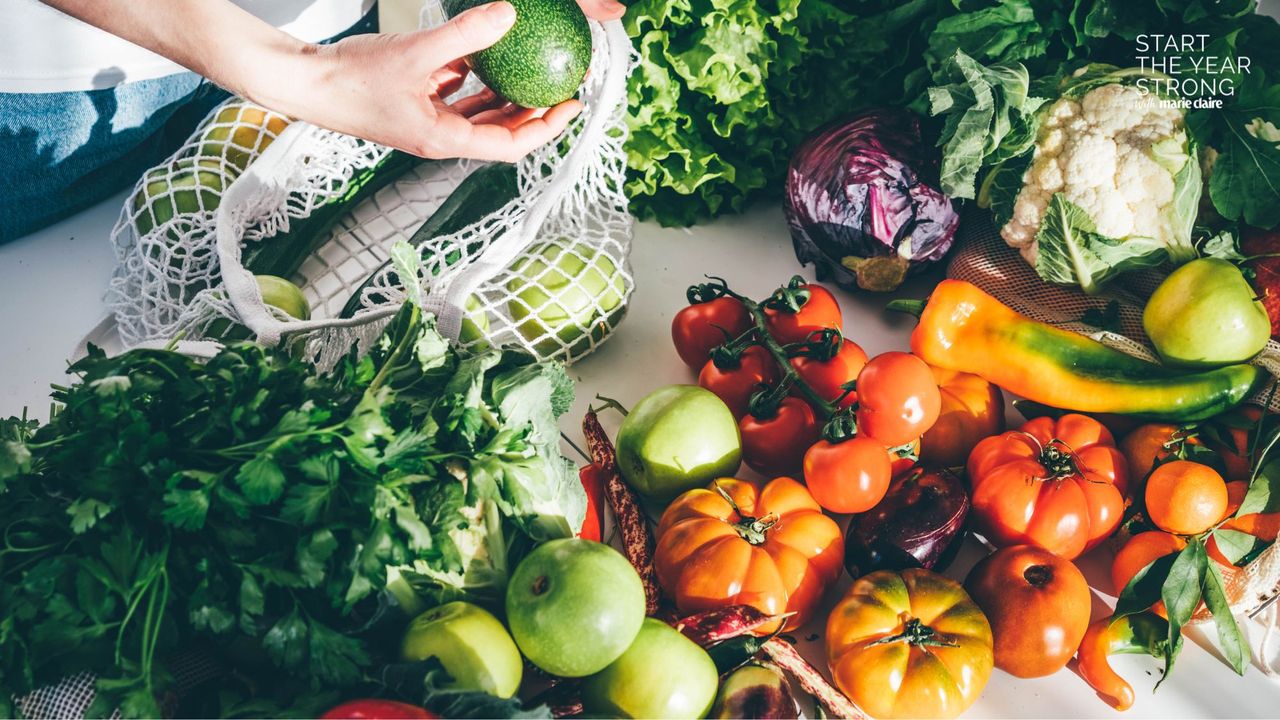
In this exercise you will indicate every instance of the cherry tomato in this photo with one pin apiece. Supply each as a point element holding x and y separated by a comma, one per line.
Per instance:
<point>696,329</point>
<point>736,385</point>
<point>847,477</point>
<point>827,377</point>
<point>776,445</point>
<point>819,312</point>
<point>898,398</point>
<point>377,709</point>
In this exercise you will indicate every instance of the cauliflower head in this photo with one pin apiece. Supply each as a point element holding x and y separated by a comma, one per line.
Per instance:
<point>1112,183</point>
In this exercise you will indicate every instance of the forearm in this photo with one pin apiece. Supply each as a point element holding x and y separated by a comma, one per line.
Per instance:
<point>214,38</point>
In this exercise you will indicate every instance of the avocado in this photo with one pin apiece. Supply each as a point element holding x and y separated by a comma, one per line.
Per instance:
<point>542,60</point>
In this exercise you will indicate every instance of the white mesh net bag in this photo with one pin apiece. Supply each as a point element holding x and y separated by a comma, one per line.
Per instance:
<point>546,271</point>
<point>982,258</point>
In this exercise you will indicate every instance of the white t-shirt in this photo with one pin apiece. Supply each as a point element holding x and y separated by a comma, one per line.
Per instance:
<point>44,50</point>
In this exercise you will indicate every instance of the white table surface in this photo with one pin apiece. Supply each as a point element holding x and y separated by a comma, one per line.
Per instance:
<point>52,282</point>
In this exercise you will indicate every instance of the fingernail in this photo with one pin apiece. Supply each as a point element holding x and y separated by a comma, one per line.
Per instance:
<point>501,15</point>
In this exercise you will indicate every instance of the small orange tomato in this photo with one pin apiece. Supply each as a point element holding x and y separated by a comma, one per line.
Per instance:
<point>1146,444</point>
<point>849,476</point>
<point>1057,484</point>
<point>1038,605</point>
<point>972,409</point>
<point>909,644</point>
<point>767,545</point>
<point>898,399</point>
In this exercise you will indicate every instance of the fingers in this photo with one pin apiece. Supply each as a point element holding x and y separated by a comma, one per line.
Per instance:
<point>497,141</point>
<point>482,101</point>
<point>448,79</point>
<point>602,10</point>
<point>473,30</point>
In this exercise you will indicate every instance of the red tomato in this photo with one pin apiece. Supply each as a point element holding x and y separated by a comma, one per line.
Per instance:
<point>1056,484</point>
<point>776,445</point>
<point>736,385</point>
<point>819,312</point>
<point>696,329</point>
<point>376,709</point>
<point>847,477</point>
<point>898,398</point>
<point>827,377</point>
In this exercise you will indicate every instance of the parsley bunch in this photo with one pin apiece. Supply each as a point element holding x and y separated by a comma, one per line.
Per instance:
<point>250,508</point>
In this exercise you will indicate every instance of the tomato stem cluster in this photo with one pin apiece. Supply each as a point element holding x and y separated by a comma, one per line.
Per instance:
<point>822,345</point>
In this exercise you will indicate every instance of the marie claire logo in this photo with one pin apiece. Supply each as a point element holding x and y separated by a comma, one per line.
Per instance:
<point>1190,75</point>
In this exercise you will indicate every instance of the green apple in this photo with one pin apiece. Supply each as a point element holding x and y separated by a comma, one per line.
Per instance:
<point>1206,314</point>
<point>472,646</point>
<point>662,675</point>
<point>574,606</point>
<point>277,293</point>
<point>678,438</point>
<point>562,298</point>
<point>183,187</point>
<point>283,295</point>
<point>475,325</point>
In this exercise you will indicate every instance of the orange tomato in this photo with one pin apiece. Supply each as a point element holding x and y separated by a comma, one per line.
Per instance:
<point>849,476</point>
<point>1057,484</point>
<point>972,409</point>
<point>898,399</point>
<point>909,645</point>
<point>1140,551</point>
<point>1184,497</point>
<point>1236,455</point>
<point>1038,605</point>
<point>767,545</point>
<point>1149,443</point>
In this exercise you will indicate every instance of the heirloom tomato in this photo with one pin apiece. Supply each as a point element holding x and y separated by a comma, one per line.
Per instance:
<point>819,311</point>
<point>1057,484</point>
<point>849,476</point>
<point>972,409</point>
<point>828,377</point>
<point>898,399</point>
<point>767,545</point>
<point>776,445</point>
<point>909,644</point>
<point>698,328</point>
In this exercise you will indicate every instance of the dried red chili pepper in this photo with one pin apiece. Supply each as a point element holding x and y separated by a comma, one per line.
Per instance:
<point>637,539</point>
<point>787,658</point>
<point>719,624</point>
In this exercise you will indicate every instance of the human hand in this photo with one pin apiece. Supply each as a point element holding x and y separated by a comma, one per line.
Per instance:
<point>391,89</point>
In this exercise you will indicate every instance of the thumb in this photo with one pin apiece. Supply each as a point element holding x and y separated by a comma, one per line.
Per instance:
<point>473,30</point>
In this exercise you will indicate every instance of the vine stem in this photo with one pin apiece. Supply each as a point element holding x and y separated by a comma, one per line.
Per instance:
<point>784,361</point>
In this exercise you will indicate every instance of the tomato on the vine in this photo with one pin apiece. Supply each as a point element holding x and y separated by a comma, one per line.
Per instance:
<point>776,445</point>
<point>819,311</point>
<point>698,328</point>
<point>828,377</point>
<point>735,385</point>
<point>898,398</point>
<point>849,476</point>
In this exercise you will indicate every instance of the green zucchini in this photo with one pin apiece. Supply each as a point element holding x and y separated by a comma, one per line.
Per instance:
<point>482,192</point>
<point>283,253</point>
